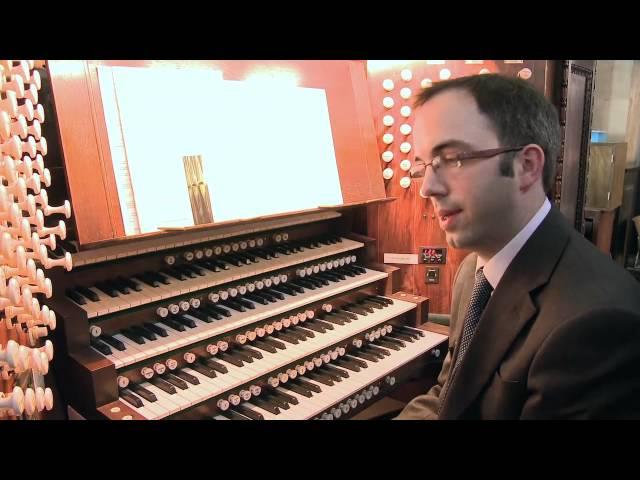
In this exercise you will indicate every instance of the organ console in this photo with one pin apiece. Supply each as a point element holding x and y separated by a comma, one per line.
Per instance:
<point>249,286</point>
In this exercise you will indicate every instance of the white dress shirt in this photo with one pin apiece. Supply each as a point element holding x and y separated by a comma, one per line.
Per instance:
<point>495,267</point>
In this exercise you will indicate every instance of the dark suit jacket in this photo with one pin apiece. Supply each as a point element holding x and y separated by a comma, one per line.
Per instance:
<point>559,338</point>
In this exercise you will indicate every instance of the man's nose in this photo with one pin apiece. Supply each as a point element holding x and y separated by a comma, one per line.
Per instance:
<point>432,184</point>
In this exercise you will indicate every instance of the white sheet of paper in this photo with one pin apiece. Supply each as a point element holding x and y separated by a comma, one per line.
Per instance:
<point>266,148</point>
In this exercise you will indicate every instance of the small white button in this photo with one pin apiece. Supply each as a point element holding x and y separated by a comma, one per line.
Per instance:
<point>387,84</point>
<point>387,138</point>
<point>406,75</point>
<point>405,111</point>
<point>387,173</point>
<point>405,147</point>
<point>387,120</point>
<point>405,93</point>
<point>388,102</point>
<point>405,165</point>
<point>387,156</point>
<point>445,74</point>
<point>405,129</point>
<point>426,83</point>
<point>525,73</point>
<point>405,182</point>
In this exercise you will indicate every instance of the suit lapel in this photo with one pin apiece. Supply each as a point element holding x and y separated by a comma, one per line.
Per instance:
<point>508,311</point>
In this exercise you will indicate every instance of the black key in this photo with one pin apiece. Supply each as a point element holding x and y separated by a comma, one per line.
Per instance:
<point>358,268</point>
<point>397,341</point>
<point>365,349</point>
<point>325,325</point>
<point>368,308</point>
<point>247,259</point>
<point>329,374</point>
<point>196,269</point>
<point>244,357</point>
<point>177,274</point>
<point>296,334</point>
<point>245,303</point>
<point>200,315</point>
<point>262,254</point>
<point>215,308</point>
<point>321,378</point>
<point>132,336</point>
<point>381,350</point>
<point>354,309</point>
<point>320,280</point>
<point>175,381</point>
<point>128,396</point>
<point>374,305</point>
<point>209,265</point>
<point>365,355</point>
<point>315,327</point>
<point>251,351</point>
<point>231,359</point>
<point>300,390</point>
<point>401,336</point>
<point>159,277</point>
<point>357,361</point>
<point>117,284</point>
<point>221,265</point>
<point>233,305</point>
<point>287,338</point>
<point>285,396</point>
<point>333,319</point>
<point>101,347</point>
<point>186,271</point>
<point>75,296</point>
<point>346,313</point>
<point>163,385</point>
<point>186,321</point>
<point>231,260</point>
<point>273,293</point>
<point>336,370</point>
<point>143,392</point>
<point>307,385</point>
<point>217,366</point>
<point>390,345</point>
<point>299,285</point>
<point>257,298</point>
<point>292,285</point>
<point>233,415</point>
<point>301,330</point>
<point>106,289</point>
<point>266,405</point>
<point>156,329</point>
<point>329,276</point>
<point>173,324</point>
<point>187,377</point>
<point>251,258</point>
<point>284,289</point>
<point>131,284</point>
<point>115,343</point>
<point>203,370</point>
<point>266,296</point>
<point>354,367</point>
<point>412,331</point>
<point>271,251</point>
<point>274,400</point>
<point>338,274</point>
<point>388,301</point>
<point>376,300</point>
<point>276,343</point>
<point>148,280</point>
<point>248,412</point>
<point>264,346</point>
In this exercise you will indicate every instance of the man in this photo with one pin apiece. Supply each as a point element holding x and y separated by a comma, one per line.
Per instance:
<point>543,325</point>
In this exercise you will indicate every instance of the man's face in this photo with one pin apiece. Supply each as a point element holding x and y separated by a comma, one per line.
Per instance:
<point>473,202</point>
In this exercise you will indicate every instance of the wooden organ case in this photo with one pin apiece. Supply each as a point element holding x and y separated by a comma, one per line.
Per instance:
<point>282,316</point>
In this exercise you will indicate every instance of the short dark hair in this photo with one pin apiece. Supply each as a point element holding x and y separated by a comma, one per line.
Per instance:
<point>519,113</point>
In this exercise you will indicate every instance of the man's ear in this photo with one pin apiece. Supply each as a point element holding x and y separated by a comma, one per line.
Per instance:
<point>529,166</point>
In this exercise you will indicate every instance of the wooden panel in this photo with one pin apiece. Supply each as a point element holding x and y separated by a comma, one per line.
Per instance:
<point>82,160</point>
<point>88,160</point>
<point>408,223</point>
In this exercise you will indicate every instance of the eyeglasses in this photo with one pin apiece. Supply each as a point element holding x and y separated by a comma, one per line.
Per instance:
<point>454,160</point>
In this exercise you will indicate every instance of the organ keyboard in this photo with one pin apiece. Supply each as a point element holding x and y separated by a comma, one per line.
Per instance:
<point>280,319</point>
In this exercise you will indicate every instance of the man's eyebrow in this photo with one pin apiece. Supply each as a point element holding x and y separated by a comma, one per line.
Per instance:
<point>451,143</point>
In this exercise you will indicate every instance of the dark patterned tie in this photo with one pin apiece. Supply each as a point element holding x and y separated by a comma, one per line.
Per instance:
<point>479,297</point>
